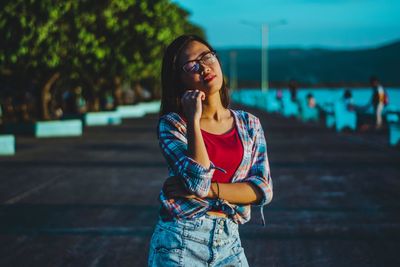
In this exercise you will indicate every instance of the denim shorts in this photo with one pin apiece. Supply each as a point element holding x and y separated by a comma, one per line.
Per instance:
<point>205,241</point>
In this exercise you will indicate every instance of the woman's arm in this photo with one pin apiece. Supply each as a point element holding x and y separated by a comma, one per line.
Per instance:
<point>196,147</point>
<point>236,193</point>
<point>193,176</point>
<point>186,153</point>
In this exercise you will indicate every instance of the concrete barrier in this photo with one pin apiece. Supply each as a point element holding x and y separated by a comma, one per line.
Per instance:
<point>56,128</point>
<point>7,145</point>
<point>273,105</point>
<point>328,112</point>
<point>64,128</point>
<point>150,107</point>
<point>344,118</point>
<point>102,118</point>
<point>394,128</point>
<point>131,111</point>
<point>290,108</point>
<point>261,101</point>
<point>256,98</point>
<point>308,113</point>
<point>248,98</point>
<point>235,96</point>
<point>138,110</point>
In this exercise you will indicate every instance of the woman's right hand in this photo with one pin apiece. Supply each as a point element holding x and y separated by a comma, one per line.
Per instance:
<point>191,104</point>
<point>173,187</point>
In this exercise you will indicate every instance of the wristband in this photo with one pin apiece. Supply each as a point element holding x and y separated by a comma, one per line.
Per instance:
<point>217,190</point>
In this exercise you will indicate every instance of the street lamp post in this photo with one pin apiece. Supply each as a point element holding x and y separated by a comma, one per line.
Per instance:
<point>265,27</point>
<point>233,70</point>
<point>264,58</point>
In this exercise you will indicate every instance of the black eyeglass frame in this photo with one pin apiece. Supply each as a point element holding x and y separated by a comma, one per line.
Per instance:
<point>213,52</point>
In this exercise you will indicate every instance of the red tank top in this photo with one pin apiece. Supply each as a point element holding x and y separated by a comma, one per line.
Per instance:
<point>225,151</point>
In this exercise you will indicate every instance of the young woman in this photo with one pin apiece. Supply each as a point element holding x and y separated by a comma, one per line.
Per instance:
<point>217,162</point>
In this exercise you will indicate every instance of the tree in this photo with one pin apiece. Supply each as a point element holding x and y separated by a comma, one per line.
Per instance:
<point>95,45</point>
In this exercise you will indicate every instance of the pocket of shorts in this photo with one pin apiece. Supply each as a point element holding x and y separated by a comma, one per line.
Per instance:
<point>168,249</point>
<point>168,241</point>
<point>237,250</point>
<point>240,256</point>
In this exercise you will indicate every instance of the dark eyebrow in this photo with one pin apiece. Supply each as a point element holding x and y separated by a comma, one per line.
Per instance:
<point>199,56</point>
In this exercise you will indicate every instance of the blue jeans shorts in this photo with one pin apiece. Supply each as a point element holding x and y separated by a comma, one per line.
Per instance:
<point>206,241</point>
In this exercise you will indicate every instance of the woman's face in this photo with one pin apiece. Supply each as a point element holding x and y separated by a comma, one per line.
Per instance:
<point>207,77</point>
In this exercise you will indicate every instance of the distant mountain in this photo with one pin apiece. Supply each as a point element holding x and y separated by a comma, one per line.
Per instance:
<point>318,66</point>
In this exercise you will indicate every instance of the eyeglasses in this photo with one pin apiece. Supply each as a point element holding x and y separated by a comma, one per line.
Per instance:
<point>193,66</point>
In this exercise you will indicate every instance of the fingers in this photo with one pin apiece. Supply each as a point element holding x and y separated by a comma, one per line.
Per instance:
<point>178,194</point>
<point>202,95</point>
<point>171,182</point>
<point>174,192</point>
<point>169,185</point>
<point>191,104</point>
<point>188,95</point>
<point>193,94</point>
<point>173,187</point>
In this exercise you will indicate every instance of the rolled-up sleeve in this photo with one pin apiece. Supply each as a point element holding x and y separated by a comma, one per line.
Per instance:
<point>173,144</point>
<point>259,173</point>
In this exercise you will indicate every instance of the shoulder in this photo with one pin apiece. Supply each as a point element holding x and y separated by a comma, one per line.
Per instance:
<point>249,120</point>
<point>249,123</point>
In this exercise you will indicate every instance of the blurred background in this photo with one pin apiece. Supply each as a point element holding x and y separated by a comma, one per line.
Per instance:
<point>61,59</point>
<point>318,43</point>
<point>80,165</point>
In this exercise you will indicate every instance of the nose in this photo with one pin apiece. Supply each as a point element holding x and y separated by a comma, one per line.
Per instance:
<point>204,68</point>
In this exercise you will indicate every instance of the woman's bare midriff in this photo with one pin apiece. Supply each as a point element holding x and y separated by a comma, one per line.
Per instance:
<point>216,213</point>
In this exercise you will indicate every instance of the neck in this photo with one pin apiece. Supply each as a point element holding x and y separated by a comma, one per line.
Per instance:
<point>213,108</point>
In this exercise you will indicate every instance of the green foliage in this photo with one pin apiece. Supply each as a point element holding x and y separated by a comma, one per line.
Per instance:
<point>87,41</point>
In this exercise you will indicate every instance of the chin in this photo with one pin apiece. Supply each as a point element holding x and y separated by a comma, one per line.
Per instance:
<point>215,85</point>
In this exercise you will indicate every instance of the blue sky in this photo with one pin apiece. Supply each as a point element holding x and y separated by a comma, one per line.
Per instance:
<point>309,23</point>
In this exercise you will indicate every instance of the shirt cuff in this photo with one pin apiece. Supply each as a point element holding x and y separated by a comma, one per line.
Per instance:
<point>265,189</point>
<point>194,169</point>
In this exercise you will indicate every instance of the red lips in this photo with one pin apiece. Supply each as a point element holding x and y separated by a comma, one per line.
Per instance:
<point>209,78</point>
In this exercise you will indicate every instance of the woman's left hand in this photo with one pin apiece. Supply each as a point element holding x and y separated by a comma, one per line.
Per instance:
<point>173,187</point>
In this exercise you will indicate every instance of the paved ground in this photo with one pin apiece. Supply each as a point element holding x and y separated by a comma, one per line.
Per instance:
<point>92,201</point>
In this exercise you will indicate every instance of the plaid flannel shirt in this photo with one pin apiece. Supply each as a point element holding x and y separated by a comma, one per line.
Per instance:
<point>253,168</point>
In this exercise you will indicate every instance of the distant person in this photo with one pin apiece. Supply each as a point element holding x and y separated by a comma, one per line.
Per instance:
<point>141,92</point>
<point>67,102</point>
<point>217,161</point>
<point>293,90</point>
<point>128,96</point>
<point>73,101</point>
<point>311,102</point>
<point>379,101</point>
<point>79,101</point>
<point>348,100</point>
<point>279,94</point>
<point>279,97</point>
<point>10,114</point>
<point>107,100</point>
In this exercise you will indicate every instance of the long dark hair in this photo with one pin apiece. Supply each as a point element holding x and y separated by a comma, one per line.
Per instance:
<point>172,88</point>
